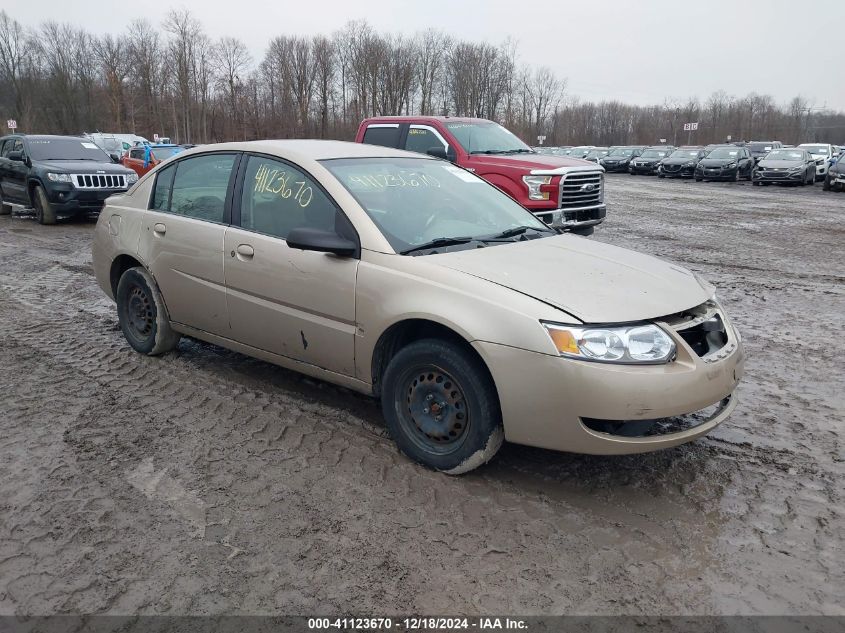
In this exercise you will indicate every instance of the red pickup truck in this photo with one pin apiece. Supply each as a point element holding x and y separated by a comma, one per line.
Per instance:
<point>564,192</point>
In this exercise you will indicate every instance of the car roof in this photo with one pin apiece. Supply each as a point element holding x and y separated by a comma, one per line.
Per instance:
<point>48,137</point>
<point>308,149</point>
<point>410,119</point>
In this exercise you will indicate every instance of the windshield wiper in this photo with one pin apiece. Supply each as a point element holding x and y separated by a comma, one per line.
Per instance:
<point>519,151</point>
<point>437,241</point>
<point>519,230</point>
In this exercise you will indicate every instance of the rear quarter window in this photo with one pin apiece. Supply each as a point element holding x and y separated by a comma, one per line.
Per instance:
<point>384,136</point>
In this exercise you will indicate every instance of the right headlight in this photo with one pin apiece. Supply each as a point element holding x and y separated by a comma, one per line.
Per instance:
<point>643,344</point>
<point>534,183</point>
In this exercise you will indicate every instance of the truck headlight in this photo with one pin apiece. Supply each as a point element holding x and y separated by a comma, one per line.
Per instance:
<point>534,183</point>
<point>53,177</point>
<point>131,178</point>
<point>643,344</point>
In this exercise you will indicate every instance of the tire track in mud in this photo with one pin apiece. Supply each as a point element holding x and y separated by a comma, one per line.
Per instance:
<point>308,507</point>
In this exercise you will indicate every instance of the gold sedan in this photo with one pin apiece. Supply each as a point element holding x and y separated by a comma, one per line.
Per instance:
<point>407,278</point>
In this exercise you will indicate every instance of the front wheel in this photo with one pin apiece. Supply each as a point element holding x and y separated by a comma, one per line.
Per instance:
<point>441,406</point>
<point>697,179</point>
<point>44,211</point>
<point>826,184</point>
<point>142,314</point>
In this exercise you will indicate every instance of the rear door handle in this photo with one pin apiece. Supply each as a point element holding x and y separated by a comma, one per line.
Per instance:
<point>159,228</point>
<point>245,251</point>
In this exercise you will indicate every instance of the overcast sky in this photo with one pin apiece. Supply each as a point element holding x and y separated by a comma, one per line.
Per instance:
<point>638,51</point>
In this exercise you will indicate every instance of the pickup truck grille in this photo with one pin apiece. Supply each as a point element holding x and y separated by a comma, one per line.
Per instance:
<point>99,181</point>
<point>581,189</point>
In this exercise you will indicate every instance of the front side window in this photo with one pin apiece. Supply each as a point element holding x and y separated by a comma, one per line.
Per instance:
<point>200,186</point>
<point>416,200</point>
<point>421,140</point>
<point>137,154</point>
<point>278,198</point>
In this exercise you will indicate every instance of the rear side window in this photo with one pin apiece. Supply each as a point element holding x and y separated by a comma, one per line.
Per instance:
<point>5,147</point>
<point>278,198</point>
<point>200,186</point>
<point>163,185</point>
<point>421,140</point>
<point>384,136</point>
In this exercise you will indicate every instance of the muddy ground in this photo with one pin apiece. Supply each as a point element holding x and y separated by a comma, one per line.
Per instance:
<point>207,482</point>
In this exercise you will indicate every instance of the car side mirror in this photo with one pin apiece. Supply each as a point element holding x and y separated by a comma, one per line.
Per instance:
<point>445,154</point>
<point>114,158</point>
<point>16,156</point>
<point>306,239</point>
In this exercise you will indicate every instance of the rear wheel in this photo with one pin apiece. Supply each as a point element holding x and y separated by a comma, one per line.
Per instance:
<point>441,406</point>
<point>44,211</point>
<point>142,314</point>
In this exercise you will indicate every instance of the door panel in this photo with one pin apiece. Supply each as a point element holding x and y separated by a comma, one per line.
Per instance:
<point>186,259</point>
<point>300,304</point>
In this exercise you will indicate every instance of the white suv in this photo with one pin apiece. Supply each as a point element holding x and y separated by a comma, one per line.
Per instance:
<point>822,153</point>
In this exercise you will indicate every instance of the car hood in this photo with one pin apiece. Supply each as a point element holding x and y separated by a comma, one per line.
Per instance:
<point>679,161</point>
<point>780,164</point>
<point>717,162</point>
<point>82,167</point>
<point>528,161</point>
<point>616,159</point>
<point>594,282</point>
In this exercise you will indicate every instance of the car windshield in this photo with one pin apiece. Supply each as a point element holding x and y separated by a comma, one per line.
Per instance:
<point>487,138</point>
<point>760,147</point>
<point>817,149</point>
<point>65,149</point>
<point>685,153</point>
<point>163,153</point>
<point>416,201</point>
<point>785,154</point>
<point>654,153</point>
<point>621,151</point>
<point>723,152</point>
<point>597,153</point>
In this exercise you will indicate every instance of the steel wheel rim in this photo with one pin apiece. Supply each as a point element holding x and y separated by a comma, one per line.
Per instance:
<point>433,409</point>
<point>139,313</point>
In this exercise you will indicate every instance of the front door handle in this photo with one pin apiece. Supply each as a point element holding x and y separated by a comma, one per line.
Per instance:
<point>159,229</point>
<point>245,251</point>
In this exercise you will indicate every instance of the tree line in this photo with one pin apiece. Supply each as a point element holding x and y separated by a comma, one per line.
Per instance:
<point>174,80</point>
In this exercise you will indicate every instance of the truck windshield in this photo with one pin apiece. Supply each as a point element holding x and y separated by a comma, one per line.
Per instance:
<point>487,138</point>
<point>65,149</point>
<point>415,201</point>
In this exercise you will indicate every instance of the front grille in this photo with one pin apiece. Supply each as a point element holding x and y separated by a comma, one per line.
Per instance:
<point>657,426</point>
<point>99,181</point>
<point>581,189</point>
<point>671,168</point>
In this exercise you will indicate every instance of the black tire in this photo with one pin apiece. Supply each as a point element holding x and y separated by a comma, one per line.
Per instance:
<point>465,430</point>
<point>699,179</point>
<point>659,175</point>
<point>5,209</point>
<point>142,314</point>
<point>756,183</point>
<point>750,175</point>
<point>44,211</point>
<point>826,183</point>
<point>584,232</point>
